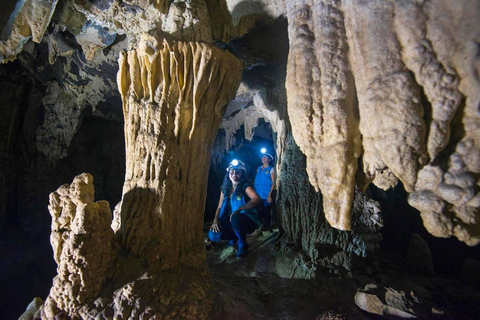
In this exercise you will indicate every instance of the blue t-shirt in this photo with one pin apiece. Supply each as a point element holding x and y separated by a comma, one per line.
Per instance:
<point>235,201</point>
<point>263,181</point>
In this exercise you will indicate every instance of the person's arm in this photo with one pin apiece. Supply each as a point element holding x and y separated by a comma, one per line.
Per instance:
<point>272,176</point>
<point>215,224</point>
<point>253,203</point>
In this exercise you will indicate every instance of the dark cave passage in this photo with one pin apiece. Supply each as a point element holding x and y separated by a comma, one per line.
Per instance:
<point>246,150</point>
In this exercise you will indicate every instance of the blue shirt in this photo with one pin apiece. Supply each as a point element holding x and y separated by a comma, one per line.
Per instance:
<point>235,201</point>
<point>263,181</point>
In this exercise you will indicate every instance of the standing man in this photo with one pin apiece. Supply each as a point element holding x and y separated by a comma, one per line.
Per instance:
<point>264,187</point>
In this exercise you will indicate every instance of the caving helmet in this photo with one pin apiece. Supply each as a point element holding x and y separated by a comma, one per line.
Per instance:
<point>237,164</point>
<point>263,152</point>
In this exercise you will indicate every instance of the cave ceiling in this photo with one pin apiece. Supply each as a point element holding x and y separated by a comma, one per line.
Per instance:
<point>372,91</point>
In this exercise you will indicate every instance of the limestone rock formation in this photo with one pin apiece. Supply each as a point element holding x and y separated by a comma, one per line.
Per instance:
<point>327,248</point>
<point>83,245</point>
<point>413,302</point>
<point>321,103</point>
<point>169,91</point>
<point>30,19</point>
<point>379,82</point>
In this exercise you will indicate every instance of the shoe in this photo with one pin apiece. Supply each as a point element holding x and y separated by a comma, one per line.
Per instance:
<point>231,243</point>
<point>242,250</point>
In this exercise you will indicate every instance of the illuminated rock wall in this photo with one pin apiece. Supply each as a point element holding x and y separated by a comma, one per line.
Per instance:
<point>378,82</point>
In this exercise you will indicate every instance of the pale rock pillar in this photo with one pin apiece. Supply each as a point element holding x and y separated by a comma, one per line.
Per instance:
<point>321,103</point>
<point>174,95</point>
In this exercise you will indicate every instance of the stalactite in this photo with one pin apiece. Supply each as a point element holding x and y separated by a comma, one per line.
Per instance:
<point>391,116</point>
<point>321,103</point>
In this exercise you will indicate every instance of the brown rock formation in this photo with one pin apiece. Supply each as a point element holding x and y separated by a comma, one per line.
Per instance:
<point>29,21</point>
<point>170,92</point>
<point>83,246</point>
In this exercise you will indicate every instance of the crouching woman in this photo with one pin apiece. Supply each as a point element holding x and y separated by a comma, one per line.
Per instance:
<point>236,215</point>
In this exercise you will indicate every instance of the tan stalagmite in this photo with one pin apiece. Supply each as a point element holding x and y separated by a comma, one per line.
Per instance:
<point>174,94</point>
<point>321,104</point>
<point>83,246</point>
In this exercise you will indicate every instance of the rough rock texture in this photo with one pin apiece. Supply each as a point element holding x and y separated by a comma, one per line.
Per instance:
<point>412,67</point>
<point>231,19</point>
<point>73,88</point>
<point>170,91</point>
<point>33,310</point>
<point>403,303</point>
<point>321,103</point>
<point>337,251</point>
<point>446,190</point>
<point>30,19</point>
<point>83,246</point>
<point>249,118</point>
<point>174,95</point>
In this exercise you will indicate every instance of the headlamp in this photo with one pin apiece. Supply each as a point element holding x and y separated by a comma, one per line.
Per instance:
<point>263,150</point>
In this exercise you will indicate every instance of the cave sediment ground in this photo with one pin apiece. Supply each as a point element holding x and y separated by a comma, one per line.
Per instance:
<point>248,288</point>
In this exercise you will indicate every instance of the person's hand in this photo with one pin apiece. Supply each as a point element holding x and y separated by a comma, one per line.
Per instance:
<point>215,226</point>
<point>269,199</point>
<point>234,212</point>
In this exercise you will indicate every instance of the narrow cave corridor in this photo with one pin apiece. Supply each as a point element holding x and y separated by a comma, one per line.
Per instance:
<point>120,117</point>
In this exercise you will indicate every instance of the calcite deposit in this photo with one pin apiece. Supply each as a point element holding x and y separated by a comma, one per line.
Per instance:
<point>29,20</point>
<point>83,246</point>
<point>169,91</point>
<point>321,103</point>
<point>414,113</point>
<point>372,91</point>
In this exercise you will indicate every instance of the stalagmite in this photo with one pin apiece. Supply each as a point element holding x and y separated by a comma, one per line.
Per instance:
<point>83,246</point>
<point>174,95</point>
<point>153,260</point>
<point>321,103</point>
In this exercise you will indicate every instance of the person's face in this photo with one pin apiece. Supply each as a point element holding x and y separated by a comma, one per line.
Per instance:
<point>265,159</point>
<point>235,175</point>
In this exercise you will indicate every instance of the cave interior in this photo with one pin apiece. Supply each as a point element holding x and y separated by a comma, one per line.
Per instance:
<point>371,110</point>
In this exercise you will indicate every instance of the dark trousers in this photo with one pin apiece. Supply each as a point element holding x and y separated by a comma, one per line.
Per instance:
<point>240,226</point>
<point>265,213</point>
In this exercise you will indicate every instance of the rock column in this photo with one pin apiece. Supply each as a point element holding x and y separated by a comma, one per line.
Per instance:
<point>174,95</point>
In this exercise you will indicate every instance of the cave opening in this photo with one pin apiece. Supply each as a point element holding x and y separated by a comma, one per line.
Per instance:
<point>247,150</point>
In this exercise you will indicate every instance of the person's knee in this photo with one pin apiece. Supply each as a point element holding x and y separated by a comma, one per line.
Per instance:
<point>214,236</point>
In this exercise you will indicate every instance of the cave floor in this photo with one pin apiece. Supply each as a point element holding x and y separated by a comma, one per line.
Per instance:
<point>249,287</point>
